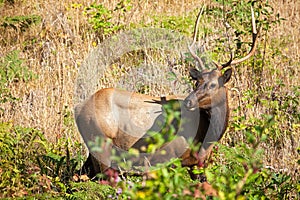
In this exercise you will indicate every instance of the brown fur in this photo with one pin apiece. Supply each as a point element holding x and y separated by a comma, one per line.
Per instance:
<point>126,117</point>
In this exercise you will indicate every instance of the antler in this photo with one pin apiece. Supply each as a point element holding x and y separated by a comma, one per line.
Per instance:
<point>251,52</point>
<point>201,64</point>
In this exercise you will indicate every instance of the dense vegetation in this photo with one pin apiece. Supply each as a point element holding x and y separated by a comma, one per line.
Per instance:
<point>43,46</point>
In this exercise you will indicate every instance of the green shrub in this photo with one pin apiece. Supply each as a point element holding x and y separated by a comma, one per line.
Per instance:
<point>168,181</point>
<point>30,165</point>
<point>19,174</point>
<point>101,18</point>
<point>12,71</point>
<point>20,23</point>
<point>238,173</point>
<point>178,23</point>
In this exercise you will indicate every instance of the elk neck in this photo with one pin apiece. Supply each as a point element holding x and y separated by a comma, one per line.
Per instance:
<point>216,120</point>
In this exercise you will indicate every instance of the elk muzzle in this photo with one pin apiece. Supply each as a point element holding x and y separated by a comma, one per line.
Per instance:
<point>191,102</point>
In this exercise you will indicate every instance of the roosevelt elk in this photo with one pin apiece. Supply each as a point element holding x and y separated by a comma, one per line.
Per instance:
<point>126,117</point>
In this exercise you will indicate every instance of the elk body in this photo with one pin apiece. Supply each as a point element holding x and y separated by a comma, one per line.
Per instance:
<point>126,117</point>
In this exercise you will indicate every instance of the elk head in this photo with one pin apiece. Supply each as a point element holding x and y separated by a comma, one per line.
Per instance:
<point>208,90</point>
<point>210,87</point>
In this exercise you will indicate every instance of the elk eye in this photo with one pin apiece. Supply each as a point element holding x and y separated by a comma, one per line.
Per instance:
<point>212,86</point>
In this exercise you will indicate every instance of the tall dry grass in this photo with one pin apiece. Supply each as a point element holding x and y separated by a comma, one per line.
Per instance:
<point>56,48</point>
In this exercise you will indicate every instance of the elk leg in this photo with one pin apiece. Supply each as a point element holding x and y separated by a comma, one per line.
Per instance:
<point>90,167</point>
<point>201,158</point>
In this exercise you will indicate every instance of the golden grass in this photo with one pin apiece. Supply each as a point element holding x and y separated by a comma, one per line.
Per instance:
<point>56,48</point>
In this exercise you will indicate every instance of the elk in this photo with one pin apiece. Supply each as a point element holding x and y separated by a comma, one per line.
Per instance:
<point>126,117</point>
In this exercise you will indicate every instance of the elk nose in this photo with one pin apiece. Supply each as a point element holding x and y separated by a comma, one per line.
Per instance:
<point>188,103</point>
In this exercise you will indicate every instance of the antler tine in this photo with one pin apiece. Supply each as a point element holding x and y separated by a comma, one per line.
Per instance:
<point>222,66</point>
<point>251,52</point>
<point>254,41</point>
<point>194,41</point>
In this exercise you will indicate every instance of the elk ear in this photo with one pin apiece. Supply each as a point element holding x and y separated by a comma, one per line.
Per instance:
<point>226,76</point>
<point>195,74</point>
